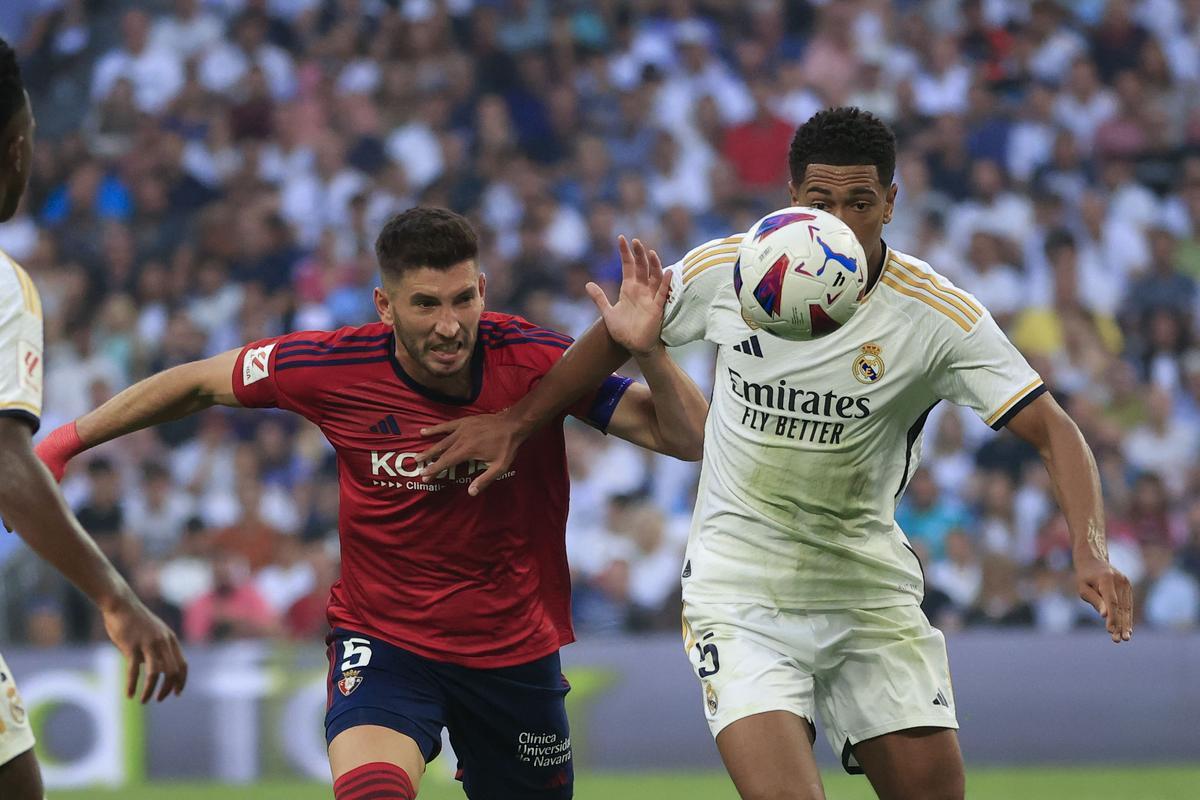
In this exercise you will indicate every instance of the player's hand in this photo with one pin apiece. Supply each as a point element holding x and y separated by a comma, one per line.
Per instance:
<point>144,639</point>
<point>490,438</point>
<point>635,322</point>
<point>1109,592</point>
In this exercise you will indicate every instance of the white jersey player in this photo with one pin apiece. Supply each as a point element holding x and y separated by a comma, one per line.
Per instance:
<point>801,596</point>
<point>20,399</point>
<point>29,500</point>
<point>809,445</point>
<point>808,448</point>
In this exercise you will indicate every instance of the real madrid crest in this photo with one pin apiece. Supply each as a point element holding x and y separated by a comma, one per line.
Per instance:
<point>351,680</point>
<point>868,365</point>
<point>751,324</point>
<point>710,698</point>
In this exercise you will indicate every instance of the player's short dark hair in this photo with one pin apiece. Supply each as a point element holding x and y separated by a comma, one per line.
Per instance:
<point>843,137</point>
<point>425,237</point>
<point>12,90</point>
<point>1058,239</point>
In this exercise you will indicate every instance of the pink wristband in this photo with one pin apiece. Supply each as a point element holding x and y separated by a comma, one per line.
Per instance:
<point>59,447</point>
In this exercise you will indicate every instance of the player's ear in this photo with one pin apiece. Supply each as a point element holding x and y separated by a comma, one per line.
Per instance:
<point>482,288</point>
<point>889,203</point>
<point>13,149</point>
<point>794,193</point>
<point>383,307</point>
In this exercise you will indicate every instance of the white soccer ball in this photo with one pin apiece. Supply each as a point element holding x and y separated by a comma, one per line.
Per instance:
<point>799,274</point>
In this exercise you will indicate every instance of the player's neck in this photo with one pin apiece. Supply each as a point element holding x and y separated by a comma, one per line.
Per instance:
<point>460,384</point>
<point>875,261</point>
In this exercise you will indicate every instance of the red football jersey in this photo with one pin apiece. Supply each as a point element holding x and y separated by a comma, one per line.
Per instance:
<point>478,581</point>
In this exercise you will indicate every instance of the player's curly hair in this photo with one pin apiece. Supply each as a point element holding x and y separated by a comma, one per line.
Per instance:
<point>845,136</point>
<point>425,237</point>
<point>12,90</point>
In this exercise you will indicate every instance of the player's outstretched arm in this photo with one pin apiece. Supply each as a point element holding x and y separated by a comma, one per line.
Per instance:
<point>31,503</point>
<point>172,394</point>
<point>669,415</point>
<point>1076,481</point>
<point>494,438</point>
<point>666,416</point>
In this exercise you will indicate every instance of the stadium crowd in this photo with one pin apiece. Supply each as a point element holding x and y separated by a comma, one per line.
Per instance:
<point>210,172</point>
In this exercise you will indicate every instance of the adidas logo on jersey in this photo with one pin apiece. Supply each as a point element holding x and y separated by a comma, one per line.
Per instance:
<point>940,700</point>
<point>385,425</point>
<point>749,347</point>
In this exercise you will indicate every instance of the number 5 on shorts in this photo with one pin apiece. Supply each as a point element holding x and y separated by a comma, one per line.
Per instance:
<point>357,653</point>
<point>705,651</point>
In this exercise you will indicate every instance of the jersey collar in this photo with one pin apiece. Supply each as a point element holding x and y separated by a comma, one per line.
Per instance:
<point>433,394</point>
<point>887,256</point>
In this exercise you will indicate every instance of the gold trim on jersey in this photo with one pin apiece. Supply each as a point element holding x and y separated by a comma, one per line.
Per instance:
<point>951,302</point>
<point>928,300</point>
<point>17,405</point>
<point>705,250</point>
<point>705,266</point>
<point>1012,401</point>
<point>29,292</point>
<point>694,263</point>
<point>952,294</point>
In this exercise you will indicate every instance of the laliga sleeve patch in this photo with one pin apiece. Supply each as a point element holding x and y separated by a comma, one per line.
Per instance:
<point>29,367</point>
<point>256,364</point>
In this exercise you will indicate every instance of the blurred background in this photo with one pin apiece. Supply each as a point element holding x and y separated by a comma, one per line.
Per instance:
<point>211,172</point>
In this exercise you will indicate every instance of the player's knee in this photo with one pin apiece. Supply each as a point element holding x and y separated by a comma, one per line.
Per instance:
<point>934,784</point>
<point>949,791</point>
<point>779,787</point>
<point>948,782</point>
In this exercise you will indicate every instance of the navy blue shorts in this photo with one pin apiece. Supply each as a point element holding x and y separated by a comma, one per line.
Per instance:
<point>508,726</point>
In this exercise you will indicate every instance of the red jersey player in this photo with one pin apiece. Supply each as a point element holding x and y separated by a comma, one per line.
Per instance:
<point>451,609</point>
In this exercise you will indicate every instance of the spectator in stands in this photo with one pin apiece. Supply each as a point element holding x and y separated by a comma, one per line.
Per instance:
<point>155,73</point>
<point>156,512</point>
<point>233,609</point>
<point>927,517</point>
<point>1171,597</point>
<point>999,602</point>
<point>958,572</point>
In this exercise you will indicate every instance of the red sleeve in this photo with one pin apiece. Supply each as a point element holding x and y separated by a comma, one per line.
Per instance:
<point>258,381</point>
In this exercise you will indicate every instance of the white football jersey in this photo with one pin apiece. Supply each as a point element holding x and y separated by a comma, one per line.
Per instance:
<point>809,445</point>
<point>20,344</point>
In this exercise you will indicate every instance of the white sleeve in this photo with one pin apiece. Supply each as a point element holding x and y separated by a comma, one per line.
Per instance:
<point>983,370</point>
<point>20,345</point>
<point>696,280</point>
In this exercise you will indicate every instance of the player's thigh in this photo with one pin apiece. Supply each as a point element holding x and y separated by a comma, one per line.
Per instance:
<point>769,756</point>
<point>510,731</point>
<point>385,704</point>
<point>749,659</point>
<point>369,744</point>
<point>914,764</point>
<point>20,776</point>
<point>757,689</point>
<point>882,671</point>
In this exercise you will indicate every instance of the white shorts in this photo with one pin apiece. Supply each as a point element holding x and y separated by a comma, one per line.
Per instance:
<point>866,672</point>
<point>15,734</point>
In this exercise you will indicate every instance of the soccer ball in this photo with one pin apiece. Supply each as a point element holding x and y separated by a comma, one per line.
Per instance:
<point>799,274</point>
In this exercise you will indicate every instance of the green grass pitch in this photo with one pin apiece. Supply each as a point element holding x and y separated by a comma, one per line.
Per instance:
<point>1077,783</point>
